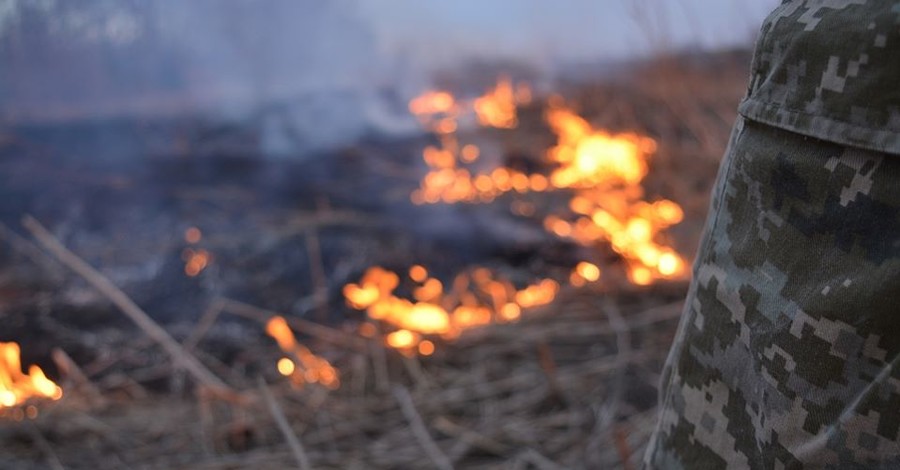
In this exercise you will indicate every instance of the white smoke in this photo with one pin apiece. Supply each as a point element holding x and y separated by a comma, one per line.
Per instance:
<point>308,71</point>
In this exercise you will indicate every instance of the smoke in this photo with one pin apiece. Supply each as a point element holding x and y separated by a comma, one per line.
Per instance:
<point>308,74</point>
<point>307,71</point>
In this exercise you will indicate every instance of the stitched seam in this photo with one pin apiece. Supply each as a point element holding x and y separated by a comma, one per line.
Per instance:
<point>779,107</point>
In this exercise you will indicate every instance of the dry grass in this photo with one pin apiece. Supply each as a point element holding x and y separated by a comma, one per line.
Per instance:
<point>557,390</point>
<point>571,386</point>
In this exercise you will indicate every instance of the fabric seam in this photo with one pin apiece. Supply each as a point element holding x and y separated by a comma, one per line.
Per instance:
<point>751,108</point>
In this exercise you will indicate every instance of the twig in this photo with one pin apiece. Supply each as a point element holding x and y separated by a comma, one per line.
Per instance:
<point>359,370</point>
<point>379,363</point>
<point>27,248</point>
<point>206,322</point>
<point>200,373</point>
<point>450,396</point>
<point>623,352</point>
<point>473,438</point>
<point>419,430</point>
<point>322,332</point>
<point>414,367</point>
<point>46,448</point>
<point>539,461</point>
<point>300,222</point>
<point>285,428</point>
<point>70,369</point>
<point>620,436</point>
<point>205,423</point>
<point>317,271</point>
<point>608,411</point>
<point>548,365</point>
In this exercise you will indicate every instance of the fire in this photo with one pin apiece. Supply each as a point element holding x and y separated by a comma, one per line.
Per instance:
<point>602,171</point>
<point>474,298</point>
<point>497,108</point>
<point>589,158</point>
<point>433,102</point>
<point>302,366</point>
<point>448,180</point>
<point>16,387</point>
<point>605,172</point>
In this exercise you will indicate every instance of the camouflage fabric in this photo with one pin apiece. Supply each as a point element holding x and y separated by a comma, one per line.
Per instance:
<point>830,69</point>
<point>787,352</point>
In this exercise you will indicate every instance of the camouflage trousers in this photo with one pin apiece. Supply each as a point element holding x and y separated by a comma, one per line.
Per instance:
<point>787,351</point>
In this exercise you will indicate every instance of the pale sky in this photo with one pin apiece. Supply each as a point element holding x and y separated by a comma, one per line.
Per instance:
<point>439,31</point>
<point>242,50</point>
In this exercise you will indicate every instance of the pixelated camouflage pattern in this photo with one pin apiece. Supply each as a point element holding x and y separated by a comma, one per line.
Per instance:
<point>787,352</point>
<point>830,69</point>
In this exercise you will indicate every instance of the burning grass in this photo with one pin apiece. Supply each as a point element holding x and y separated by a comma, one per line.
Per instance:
<point>601,171</point>
<point>550,391</point>
<point>475,299</point>
<point>548,363</point>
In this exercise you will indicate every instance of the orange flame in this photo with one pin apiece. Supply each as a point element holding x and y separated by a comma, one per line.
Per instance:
<point>475,298</point>
<point>432,103</point>
<point>302,366</point>
<point>17,387</point>
<point>589,158</point>
<point>584,273</point>
<point>447,181</point>
<point>604,171</point>
<point>497,108</point>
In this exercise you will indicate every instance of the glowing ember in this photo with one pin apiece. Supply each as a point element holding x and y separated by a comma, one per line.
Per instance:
<point>474,298</point>
<point>511,311</point>
<point>196,261</point>
<point>418,273</point>
<point>590,272</point>
<point>193,235</point>
<point>426,348</point>
<point>402,339</point>
<point>470,153</point>
<point>497,108</point>
<point>432,103</point>
<point>584,273</point>
<point>302,366</point>
<point>286,367</point>
<point>16,387</point>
